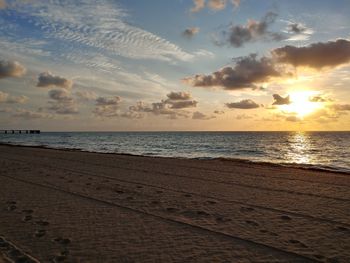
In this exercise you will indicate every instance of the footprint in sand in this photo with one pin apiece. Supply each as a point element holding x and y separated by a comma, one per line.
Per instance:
<point>221,219</point>
<point>28,211</point>
<point>210,202</point>
<point>155,202</point>
<point>59,258</point>
<point>318,256</point>
<point>130,198</point>
<point>343,229</point>
<point>119,191</point>
<point>252,223</point>
<point>172,209</point>
<point>62,241</point>
<point>11,205</point>
<point>188,195</point>
<point>159,192</point>
<point>286,218</point>
<point>297,242</point>
<point>246,209</point>
<point>139,186</point>
<point>27,218</point>
<point>202,213</point>
<point>40,233</point>
<point>42,223</point>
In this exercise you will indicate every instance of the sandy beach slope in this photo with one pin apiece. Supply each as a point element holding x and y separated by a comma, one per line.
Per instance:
<point>69,206</point>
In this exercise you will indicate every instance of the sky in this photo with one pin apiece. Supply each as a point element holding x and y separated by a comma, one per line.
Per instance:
<point>175,65</point>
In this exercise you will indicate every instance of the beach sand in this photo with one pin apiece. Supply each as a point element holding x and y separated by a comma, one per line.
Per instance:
<point>70,206</point>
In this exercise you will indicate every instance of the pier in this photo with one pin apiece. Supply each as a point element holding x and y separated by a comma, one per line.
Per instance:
<point>19,131</point>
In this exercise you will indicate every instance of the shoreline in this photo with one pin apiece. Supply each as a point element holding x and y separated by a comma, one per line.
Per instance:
<point>91,207</point>
<point>311,167</point>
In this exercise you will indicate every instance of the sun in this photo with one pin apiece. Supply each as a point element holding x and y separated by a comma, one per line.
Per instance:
<point>300,103</point>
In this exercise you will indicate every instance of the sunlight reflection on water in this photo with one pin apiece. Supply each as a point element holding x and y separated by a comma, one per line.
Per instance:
<point>322,149</point>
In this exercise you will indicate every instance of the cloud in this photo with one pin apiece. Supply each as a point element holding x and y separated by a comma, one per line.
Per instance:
<point>239,35</point>
<point>190,32</point>
<point>298,31</point>
<point>280,100</point>
<point>319,99</point>
<point>179,95</point>
<point>169,107</point>
<point>86,95</point>
<point>243,104</point>
<point>318,55</point>
<point>293,118</point>
<point>215,5</point>
<point>2,4</point>
<point>106,111</point>
<point>106,31</point>
<point>247,73</point>
<point>204,53</point>
<point>182,104</point>
<point>243,117</point>
<point>219,112</point>
<point>296,28</point>
<point>201,116</point>
<point>107,107</point>
<point>62,102</point>
<point>28,114</point>
<point>198,6</point>
<point>48,80</point>
<point>6,98</point>
<point>103,101</point>
<point>340,107</point>
<point>11,69</point>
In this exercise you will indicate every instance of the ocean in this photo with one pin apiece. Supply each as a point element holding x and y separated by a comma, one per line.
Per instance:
<point>321,150</point>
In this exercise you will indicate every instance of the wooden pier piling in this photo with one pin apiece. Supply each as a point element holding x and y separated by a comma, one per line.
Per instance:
<point>20,131</point>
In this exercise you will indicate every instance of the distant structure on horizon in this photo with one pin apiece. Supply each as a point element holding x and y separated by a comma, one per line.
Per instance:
<point>20,131</point>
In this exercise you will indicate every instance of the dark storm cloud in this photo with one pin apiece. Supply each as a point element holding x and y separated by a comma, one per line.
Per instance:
<point>247,72</point>
<point>243,104</point>
<point>48,80</point>
<point>11,69</point>
<point>279,100</point>
<point>317,55</point>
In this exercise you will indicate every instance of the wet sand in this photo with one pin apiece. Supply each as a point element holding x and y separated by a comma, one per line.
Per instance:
<point>69,206</point>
